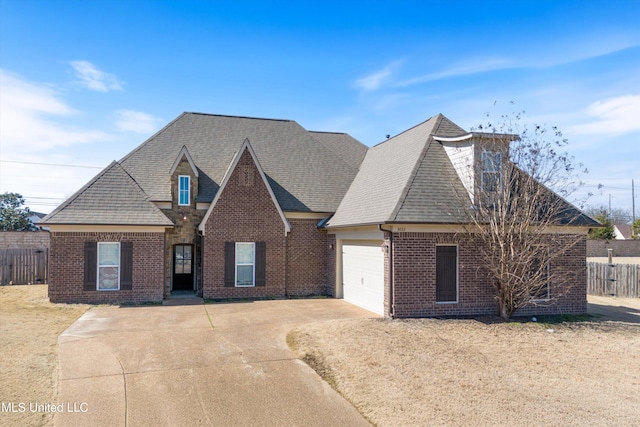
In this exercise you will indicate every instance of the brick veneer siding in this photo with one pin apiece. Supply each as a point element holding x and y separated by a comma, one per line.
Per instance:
<point>414,276</point>
<point>331,265</point>
<point>307,259</point>
<point>569,297</point>
<point>244,213</point>
<point>24,239</point>
<point>621,248</point>
<point>66,271</point>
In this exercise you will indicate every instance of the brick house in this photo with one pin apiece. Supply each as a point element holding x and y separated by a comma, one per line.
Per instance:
<point>235,207</point>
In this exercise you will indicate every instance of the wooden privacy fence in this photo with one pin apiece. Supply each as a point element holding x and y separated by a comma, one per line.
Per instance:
<point>23,266</point>
<point>621,280</point>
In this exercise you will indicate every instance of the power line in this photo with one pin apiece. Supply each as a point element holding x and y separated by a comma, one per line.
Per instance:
<point>43,199</point>
<point>52,164</point>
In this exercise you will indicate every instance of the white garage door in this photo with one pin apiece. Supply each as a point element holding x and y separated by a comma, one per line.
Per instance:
<point>363,275</point>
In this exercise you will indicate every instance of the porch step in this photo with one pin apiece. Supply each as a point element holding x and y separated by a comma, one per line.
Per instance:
<point>183,298</point>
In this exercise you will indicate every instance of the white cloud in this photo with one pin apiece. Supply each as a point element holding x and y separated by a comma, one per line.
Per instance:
<point>136,121</point>
<point>27,117</point>
<point>375,80</point>
<point>612,116</point>
<point>468,68</point>
<point>93,78</point>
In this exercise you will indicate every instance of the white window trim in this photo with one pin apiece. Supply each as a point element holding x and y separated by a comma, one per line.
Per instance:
<point>188,190</point>
<point>98,266</point>
<point>253,264</point>
<point>482,170</point>
<point>457,275</point>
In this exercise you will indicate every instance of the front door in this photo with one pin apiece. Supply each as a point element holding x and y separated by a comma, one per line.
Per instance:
<point>183,268</point>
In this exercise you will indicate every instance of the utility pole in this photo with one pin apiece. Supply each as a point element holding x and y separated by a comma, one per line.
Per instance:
<point>633,203</point>
<point>634,231</point>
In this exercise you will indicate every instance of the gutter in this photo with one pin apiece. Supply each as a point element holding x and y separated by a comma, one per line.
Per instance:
<point>391,315</point>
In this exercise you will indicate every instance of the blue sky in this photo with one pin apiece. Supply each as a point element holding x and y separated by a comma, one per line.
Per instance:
<point>82,83</point>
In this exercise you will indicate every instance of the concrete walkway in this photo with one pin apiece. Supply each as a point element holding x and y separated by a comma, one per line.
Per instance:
<point>189,365</point>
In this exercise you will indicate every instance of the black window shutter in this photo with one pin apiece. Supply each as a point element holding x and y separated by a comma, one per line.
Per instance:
<point>126,266</point>
<point>90,265</point>
<point>446,273</point>
<point>229,264</point>
<point>261,263</point>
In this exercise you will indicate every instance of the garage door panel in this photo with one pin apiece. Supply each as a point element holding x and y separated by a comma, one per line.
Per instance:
<point>363,275</point>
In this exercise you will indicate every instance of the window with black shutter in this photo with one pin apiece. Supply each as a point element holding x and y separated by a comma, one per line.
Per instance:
<point>108,266</point>
<point>229,264</point>
<point>245,264</point>
<point>261,263</point>
<point>446,274</point>
<point>126,266</point>
<point>90,265</point>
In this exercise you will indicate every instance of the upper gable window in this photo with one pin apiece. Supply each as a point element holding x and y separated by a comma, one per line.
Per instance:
<point>491,171</point>
<point>184,190</point>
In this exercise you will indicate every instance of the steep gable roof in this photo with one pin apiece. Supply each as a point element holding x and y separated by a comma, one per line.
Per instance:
<point>385,175</point>
<point>246,146</point>
<point>304,174</point>
<point>436,194</point>
<point>111,198</point>
<point>410,179</point>
<point>184,153</point>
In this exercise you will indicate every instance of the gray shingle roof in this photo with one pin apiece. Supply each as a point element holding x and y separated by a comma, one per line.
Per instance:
<point>307,172</point>
<point>113,198</point>
<point>410,179</point>
<point>436,194</point>
<point>384,177</point>
<point>304,173</point>
<point>343,145</point>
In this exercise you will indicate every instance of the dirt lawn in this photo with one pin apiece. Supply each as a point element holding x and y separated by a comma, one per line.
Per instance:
<point>29,329</point>
<point>478,373</point>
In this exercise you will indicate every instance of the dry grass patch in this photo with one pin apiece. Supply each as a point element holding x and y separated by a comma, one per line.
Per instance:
<point>469,373</point>
<point>29,327</point>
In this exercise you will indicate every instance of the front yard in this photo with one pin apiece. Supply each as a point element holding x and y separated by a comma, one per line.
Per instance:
<point>29,329</point>
<point>397,373</point>
<point>474,373</point>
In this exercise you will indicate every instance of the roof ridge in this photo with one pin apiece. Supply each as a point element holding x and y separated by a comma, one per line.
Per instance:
<point>441,121</point>
<point>328,131</point>
<point>405,131</point>
<point>237,117</point>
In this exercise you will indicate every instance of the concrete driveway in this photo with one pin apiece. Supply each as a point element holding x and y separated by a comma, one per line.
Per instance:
<point>188,365</point>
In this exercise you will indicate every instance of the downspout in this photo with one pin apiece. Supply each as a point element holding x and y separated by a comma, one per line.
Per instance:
<point>200,281</point>
<point>390,248</point>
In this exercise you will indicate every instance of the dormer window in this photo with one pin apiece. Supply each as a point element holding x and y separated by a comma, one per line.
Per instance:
<point>491,171</point>
<point>184,190</point>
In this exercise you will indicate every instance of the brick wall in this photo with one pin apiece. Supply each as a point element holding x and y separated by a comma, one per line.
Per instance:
<point>66,271</point>
<point>621,248</point>
<point>307,259</point>
<point>414,279</point>
<point>24,239</point>
<point>244,212</point>
<point>570,296</point>
<point>331,265</point>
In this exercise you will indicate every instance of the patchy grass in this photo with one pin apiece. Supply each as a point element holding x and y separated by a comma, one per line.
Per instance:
<point>466,372</point>
<point>29,327</point>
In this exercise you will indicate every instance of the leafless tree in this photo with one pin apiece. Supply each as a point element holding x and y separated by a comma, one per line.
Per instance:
<point>520,212</point>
